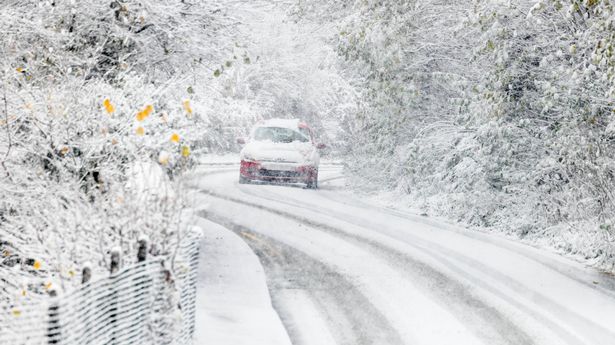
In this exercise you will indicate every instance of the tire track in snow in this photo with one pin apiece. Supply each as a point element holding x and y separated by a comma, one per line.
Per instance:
<point>351,318</point>
<point>483,320</point>
<point>463,266</point>
<point>555,313</point>
<point>602,282</point>
<point>416,317</point>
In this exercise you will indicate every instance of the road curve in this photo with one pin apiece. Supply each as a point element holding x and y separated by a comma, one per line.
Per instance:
<point>343,271</point>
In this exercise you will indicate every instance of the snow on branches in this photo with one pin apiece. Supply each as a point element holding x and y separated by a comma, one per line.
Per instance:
<point>495,113</point>
<point>91,93</point>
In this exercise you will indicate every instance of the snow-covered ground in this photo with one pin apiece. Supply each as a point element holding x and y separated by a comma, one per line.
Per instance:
<point>341,270</point>
<point>233,304</point>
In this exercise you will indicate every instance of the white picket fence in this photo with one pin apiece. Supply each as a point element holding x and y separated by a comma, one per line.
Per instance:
<point>139,304</point>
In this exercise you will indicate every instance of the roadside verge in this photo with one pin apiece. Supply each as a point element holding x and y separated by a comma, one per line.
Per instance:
<point>233,302</point>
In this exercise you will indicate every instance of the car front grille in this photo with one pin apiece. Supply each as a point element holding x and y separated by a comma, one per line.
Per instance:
<point>278,173</point>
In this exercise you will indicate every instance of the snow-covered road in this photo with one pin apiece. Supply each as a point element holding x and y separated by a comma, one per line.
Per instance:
<point>341,270</point>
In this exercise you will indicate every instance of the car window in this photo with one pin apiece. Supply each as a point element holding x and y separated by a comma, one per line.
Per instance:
<point>306,132</point>
<point>279,135</point>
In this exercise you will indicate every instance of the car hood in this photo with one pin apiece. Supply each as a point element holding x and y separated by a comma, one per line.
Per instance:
<point>295,152</point>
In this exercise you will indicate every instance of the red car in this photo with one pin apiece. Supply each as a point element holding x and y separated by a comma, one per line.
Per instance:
<point>280,150</point>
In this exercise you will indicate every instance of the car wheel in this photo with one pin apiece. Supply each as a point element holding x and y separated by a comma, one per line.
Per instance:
<point>312,182</point>
<point>243,180</point>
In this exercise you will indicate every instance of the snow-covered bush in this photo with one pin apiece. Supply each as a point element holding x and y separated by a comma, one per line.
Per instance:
<point>494,113</point>
<point>100,116</point>
<point>550,95</point>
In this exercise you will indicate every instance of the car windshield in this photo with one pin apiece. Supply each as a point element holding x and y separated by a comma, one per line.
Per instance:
<point>278,135</point>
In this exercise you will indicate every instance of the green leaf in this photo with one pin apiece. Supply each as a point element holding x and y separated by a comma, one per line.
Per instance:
<point>490,45</point>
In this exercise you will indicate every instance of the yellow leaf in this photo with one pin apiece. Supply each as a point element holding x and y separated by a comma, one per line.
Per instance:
<point>140,131</point>
<point>148,109</point>
<point>23,292</point>
<point>37,265</point>
<point>71,273</point>
<point>16,312</point>
<point>6,253</point>
<point>20,69</point>
<point>48,285</point>
<point>185,151</point>
<point>175,138</point>
<point>143,114</point>
<point>108,106</point>
<point>187,107</point>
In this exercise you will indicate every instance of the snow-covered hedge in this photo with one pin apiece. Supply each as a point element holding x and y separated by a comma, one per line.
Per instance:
<point>498,114</point>
<point>101,108</point>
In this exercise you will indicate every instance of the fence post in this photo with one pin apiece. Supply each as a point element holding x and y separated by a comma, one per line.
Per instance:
<point>53,329</point>
<point>86,276</point>
<point>140,320</point>
<point>115,260</point>
<point>142,253</point>
<point>115,267</point>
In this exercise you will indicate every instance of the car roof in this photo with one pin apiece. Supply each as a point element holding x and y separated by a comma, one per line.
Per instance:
<point>282,123</point>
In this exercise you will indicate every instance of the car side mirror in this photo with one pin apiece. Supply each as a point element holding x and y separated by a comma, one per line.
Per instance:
<point>321,146</point>
<point>241,141</point>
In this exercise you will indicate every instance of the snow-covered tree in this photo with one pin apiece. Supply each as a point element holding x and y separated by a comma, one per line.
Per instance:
<point>99,120</point>
<point>496,113</point>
